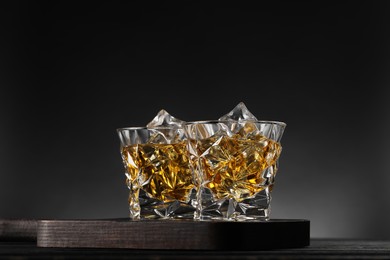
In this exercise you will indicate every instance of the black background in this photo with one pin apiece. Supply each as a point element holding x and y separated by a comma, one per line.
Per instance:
<point>73,72</point>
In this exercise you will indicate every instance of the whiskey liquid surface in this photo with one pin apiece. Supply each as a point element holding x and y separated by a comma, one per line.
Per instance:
<point>162,170</point>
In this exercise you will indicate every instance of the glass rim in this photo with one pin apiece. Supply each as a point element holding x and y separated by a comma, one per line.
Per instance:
<point>279,123</point>
<point>133,128</point>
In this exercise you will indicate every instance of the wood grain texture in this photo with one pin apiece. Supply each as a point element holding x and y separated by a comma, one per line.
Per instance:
<point>18,230</point>
<point>173,234</point>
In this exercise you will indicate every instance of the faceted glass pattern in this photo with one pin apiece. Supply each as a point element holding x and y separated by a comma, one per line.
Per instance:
<point>203,170</point>
<point>159,176</point>
<point>235,167</point>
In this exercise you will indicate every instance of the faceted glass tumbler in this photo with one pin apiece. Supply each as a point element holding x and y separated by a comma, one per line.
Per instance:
<point>235,164</point>
<point>158,173</point>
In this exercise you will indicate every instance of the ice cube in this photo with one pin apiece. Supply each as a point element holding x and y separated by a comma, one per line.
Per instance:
<point>163,118</point>
<point>166,135</point>
<point>239,113</point>
<point>240,120</point>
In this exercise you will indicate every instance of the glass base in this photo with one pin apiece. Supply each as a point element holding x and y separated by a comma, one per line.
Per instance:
<point>256,208</point>
<point>150,208</point>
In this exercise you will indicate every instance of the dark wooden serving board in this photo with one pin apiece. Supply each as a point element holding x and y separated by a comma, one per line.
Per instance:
<point>18,229</point>
<point>174,234</point>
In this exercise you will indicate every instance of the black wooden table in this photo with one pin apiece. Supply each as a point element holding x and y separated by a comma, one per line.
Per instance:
<point>20,239</point>
<point>318,249</point>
